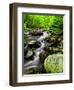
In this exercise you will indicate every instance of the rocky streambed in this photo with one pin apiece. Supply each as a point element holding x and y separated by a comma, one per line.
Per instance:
<point>37,46</point>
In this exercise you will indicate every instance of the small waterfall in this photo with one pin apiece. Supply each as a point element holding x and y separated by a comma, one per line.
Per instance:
<point>45,34</point>
<point>36,61</point>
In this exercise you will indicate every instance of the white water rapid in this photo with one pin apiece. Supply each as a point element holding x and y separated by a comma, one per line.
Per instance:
<point>36,61</point>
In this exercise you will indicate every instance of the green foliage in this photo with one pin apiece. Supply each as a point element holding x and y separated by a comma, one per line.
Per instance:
<point>36,21</point>
<point>57,25</point>
<point>53,24</point>
<point>54,63</point>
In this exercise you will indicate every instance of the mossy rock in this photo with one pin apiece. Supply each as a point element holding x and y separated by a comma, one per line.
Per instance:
<point>54,63</point>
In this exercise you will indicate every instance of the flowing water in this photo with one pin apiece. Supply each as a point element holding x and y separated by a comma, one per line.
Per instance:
<point>36,62</point>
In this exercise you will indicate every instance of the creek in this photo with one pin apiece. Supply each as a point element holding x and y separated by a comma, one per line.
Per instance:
<point>35,63</point>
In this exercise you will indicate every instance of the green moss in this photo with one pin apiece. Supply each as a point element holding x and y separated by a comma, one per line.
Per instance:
<point>54,63</point>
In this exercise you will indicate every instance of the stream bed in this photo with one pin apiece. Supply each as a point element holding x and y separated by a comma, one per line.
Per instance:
<point>37,46</point>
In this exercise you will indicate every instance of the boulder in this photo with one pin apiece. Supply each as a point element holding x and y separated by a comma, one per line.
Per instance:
<point>55,50</point>
<point>54,63</point>
<point>34,44</point>
<point>53,38</point>
<point>49,49</point>
<point>47,39</point>
<point>31,42</point>
<point>52,50</point>
<point>36,33</point>
<point>34,70</point>
<point>42,56</point>
<point>29,55</point>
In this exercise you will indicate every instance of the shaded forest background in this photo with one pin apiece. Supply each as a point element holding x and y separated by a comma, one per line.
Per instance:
<point>53,24</point>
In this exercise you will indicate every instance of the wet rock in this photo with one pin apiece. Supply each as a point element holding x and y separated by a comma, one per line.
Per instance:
<point>34,70</point>
<point>34,44</point>
<point>51,50</point>
<point>42,56</point>
<point>33,38</point>
<point>47,40</point>
<point>31,42</point>
<point>25,50</point>
<point>56,50</point>
<point>26,33</point>
<point>36,33</point>
<point>28,54</point>
<point>48,48</point>
<point>53,39</point>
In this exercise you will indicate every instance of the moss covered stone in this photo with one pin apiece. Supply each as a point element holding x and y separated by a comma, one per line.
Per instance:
<point>54,63</point>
